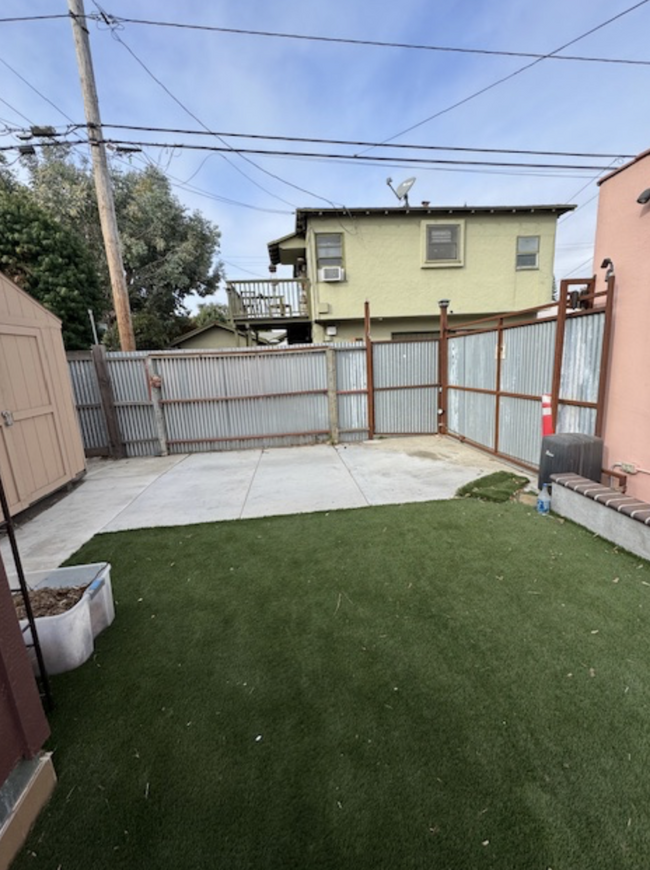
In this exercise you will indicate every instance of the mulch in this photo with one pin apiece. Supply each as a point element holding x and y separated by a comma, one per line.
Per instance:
<point>49,602</point>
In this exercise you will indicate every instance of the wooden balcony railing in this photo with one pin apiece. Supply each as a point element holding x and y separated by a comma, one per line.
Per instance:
<point>268,301</point>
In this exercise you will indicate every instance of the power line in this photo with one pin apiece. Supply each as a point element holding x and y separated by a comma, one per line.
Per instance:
<point>274,34</point>
<point>35,89</point>
<point>14,109</point>
<point>110,20</point>
<point>577,268</point>
<point>130,143</point>
<point>31,18</point>
<point>241,268</point>
<point>515,73</point>
<point>312,140</point>
<point>190,188</point>
<point>329,156</point>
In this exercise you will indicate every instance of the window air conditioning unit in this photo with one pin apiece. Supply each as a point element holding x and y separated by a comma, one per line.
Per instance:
<point>331,273</point>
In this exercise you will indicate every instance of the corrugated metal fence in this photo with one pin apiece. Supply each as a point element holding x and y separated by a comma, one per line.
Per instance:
<point>189,401</point>
<point>496,379</point>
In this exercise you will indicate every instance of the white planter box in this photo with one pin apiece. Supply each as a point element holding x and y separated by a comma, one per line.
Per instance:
<point>67,640</point>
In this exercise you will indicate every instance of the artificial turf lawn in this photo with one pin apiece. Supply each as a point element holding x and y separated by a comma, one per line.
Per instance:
<point>442,685</point>
<point>498,487</point>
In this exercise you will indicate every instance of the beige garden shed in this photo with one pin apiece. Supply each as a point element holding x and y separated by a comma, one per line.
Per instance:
<point>40,441</point>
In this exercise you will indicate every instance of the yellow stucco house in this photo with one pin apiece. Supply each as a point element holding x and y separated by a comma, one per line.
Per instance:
<point>403,261</point>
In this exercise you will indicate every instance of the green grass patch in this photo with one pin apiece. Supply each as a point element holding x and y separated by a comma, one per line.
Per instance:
<point>442,685</point>
<point>498,487</point>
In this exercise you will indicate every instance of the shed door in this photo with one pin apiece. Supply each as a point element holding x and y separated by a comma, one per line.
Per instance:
<point>31,456</point>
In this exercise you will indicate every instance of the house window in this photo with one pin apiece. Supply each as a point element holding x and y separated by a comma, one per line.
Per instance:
<point>329,249</point>
<point>527,252</point>
<point>442,243</point>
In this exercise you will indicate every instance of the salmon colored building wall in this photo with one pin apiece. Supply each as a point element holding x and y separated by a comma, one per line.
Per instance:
<point>623,235</point>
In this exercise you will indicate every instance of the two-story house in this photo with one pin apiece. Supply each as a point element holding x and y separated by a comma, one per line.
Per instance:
<point>484,259</point>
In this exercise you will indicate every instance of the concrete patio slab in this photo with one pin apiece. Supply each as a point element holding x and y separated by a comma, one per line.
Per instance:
<point>394,478</point>
<point>296,480</point>
<point>204,487</point>
<point>207,487</point>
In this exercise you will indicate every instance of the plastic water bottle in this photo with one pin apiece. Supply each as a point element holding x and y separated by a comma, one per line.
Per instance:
<point>544,501</point>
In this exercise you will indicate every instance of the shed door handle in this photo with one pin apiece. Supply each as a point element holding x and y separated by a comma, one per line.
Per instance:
<point>8,417</point>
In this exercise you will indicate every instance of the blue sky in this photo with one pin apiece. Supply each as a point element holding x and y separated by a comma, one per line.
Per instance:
<point>260,85</point>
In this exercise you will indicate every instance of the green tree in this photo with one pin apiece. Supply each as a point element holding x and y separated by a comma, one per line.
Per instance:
<point>48,261</point>
<point>168,252</point>
<point>210,312</point>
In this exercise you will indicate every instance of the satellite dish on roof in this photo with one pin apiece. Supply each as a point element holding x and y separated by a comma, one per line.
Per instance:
<point>402,189</point>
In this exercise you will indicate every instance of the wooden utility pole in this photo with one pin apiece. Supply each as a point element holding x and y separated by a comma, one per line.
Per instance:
<point>100,172</point>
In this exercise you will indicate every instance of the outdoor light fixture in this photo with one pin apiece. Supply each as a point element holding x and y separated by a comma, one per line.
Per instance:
<point>644,197</point>
<point>609,265</point>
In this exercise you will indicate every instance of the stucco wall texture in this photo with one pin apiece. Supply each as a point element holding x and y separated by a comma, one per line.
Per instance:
<point>383,259</point>
<point>623,235</point>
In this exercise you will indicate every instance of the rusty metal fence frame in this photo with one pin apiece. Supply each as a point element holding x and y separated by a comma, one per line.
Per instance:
<point>481,402</point>
<point>478,383</point>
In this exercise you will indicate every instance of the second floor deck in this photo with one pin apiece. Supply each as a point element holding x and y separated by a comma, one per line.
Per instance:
<point>269,303</point>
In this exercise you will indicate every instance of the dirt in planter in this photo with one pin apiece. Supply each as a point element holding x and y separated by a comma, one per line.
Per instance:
<point>49,602</point>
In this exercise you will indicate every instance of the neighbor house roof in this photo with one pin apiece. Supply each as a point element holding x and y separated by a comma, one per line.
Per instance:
<point>296,240</point>
<point>625,166</point>
<point>216,324</point>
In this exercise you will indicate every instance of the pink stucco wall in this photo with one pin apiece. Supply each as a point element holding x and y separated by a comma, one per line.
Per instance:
<point>623,235</point>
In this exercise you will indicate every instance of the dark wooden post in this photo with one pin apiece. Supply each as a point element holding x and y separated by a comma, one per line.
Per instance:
<point>115,445</point>
<point>23,725</point>
<point>443,364</point>
<point>370,379</point>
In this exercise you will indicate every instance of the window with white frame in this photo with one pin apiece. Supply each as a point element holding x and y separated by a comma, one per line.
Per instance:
<point>443,243</point>
<point>527,252</point>
<point>329,249</point>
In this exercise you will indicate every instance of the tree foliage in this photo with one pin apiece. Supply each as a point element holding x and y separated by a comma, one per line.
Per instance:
<point>168,252</point>
<point>48,261</point>
<point>210,312</point>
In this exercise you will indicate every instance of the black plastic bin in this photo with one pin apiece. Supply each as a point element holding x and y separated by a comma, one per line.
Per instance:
<point>571,452</point>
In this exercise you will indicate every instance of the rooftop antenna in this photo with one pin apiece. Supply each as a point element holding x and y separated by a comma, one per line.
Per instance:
<point>402,189</point>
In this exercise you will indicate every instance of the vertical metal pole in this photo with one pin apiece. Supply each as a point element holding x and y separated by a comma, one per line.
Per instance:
<point>370,378</point>
<point>560,328</point>
<point>332,398</point>
<point>604,356</point>
<point>497,411</point>
<point>93,326</point>
<point>443,363</point>
<point>25,592</point>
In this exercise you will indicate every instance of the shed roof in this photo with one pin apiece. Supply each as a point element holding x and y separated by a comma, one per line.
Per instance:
<point>16,302</point>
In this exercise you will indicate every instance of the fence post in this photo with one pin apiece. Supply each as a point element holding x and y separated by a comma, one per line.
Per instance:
<point>155,385</point>
<point>332,398</point>
<point>370,377</point>
<point>604,354</point>
<point>497,410</point>
<point>116,448</point>
<point>443,362</point>
<point>559,351</point>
